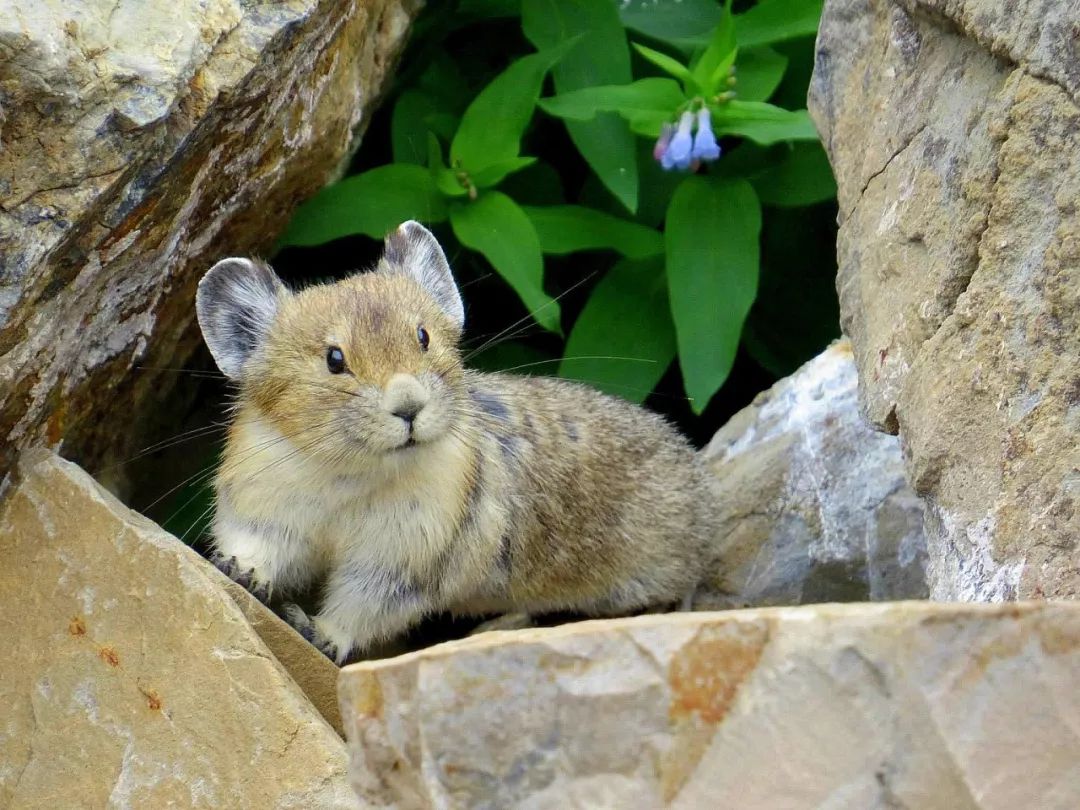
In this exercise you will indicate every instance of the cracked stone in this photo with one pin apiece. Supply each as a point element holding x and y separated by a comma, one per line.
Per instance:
<point>958,276</point>
<point>131,677</point>
<point>907,704</point>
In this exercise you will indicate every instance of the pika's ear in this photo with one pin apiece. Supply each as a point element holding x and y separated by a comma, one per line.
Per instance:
<point>413,250</point>
<point>236,303</point>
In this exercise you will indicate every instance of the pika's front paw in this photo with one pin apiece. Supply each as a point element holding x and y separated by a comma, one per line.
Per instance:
<point>309,629</point>
<point>257,586</point>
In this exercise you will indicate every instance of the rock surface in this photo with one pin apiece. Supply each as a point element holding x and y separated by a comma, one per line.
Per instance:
<point>953,127</point>
<point>142,142</point>
<point>131,678</point>
<point>939,707</point>
<point>817,508</point>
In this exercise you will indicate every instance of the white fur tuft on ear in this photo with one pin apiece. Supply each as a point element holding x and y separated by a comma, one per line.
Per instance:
<point>413,250</point>
<point>236,303</point>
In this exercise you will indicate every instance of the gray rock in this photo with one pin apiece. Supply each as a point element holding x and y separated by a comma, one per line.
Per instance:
<point>815,501</point>
<point>141,142</point>
<point>953,131</point>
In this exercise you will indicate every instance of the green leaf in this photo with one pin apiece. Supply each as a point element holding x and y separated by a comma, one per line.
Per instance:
<point>711,240</point>
<point>408,127</point>
<point>758,73</point>
<point>803,178</point>
<point>641,98</point>
<point>670,66</point>
<point>623,341</point>
<point>691,23</point>
<point>721,49</point>
<point>434,153</point>
<point>648,124</point>
<point>569,228</point>
<point>680,22</point>
<point>762,123</point>
<point>493,174</point>
<point>372,203</point>
<point>496,227</point>
<point>599,57</point>
<point>538,184</point>
<point>778,20</point>
<point>492,126</point>
<point>445,179</point>
<point>661,185</point>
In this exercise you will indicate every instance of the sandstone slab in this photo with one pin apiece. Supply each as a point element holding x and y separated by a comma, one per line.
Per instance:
<point>954,131</point>
<point>142,142</point>
<point>903,705</point>
<point>815,502</point>
<point>131,678</point>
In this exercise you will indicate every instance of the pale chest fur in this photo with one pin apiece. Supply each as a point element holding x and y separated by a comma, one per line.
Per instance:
<point>401,511</point>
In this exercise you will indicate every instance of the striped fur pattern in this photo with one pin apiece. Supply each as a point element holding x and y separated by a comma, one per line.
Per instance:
<point>501,493</point>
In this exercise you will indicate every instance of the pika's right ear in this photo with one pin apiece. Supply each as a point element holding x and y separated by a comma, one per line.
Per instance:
<point>236,303</point>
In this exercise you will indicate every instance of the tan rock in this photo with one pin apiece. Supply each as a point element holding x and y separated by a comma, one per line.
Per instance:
<point>903,705</point>
<point>313,672</point>
<point>130,677</point>
<point>815,505</point>
<point>959,281</point>
<point>142,142</point>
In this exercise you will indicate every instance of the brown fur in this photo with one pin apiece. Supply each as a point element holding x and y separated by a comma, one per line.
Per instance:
<point>521,493</point>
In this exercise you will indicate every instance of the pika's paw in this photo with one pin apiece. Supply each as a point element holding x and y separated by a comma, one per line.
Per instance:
<point>309,629</point>
<point>257,586</point>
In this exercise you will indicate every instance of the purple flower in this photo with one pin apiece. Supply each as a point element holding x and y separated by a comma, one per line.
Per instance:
<point>677,154</point>
<point>666,131</point>
<point>705,145</point>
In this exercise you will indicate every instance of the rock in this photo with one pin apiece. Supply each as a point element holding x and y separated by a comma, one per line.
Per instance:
<point>130,677</point>
<point>815,502</point>
<point>910,704</point>
<point>959,277</point>
<point>142,142</point>
<point>313,672</point>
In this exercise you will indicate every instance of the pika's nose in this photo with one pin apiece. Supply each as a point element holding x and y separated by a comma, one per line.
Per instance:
<point>408,412</point>
<point>405,397</point>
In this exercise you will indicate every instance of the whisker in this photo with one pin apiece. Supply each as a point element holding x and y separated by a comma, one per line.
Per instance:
<point>195,372</point>
<point>580,357</point>
<point>530,316</point>
<point>205,473</point>
<point>172,441</point>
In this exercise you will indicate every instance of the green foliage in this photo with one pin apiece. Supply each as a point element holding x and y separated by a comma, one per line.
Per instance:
<point>712,267</point>
<point>598,55</point>
<point>535,140</point>
<point>496,227</point>
<point>601,351</point>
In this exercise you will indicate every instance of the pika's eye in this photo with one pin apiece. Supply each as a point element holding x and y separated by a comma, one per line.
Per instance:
<point>335,360</point>
<point>423,337</point>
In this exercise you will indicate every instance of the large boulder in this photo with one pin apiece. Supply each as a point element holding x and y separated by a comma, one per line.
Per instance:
<point>954,132</point>
<point>141,142</point>
<point>910,704</point>
<point>131,677</point>
<point>814,501</point>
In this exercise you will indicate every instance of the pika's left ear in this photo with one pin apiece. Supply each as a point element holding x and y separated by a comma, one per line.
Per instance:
<point>413,250</point>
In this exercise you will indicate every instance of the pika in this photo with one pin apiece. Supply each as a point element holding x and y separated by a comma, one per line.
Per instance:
<point>363,454</point>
